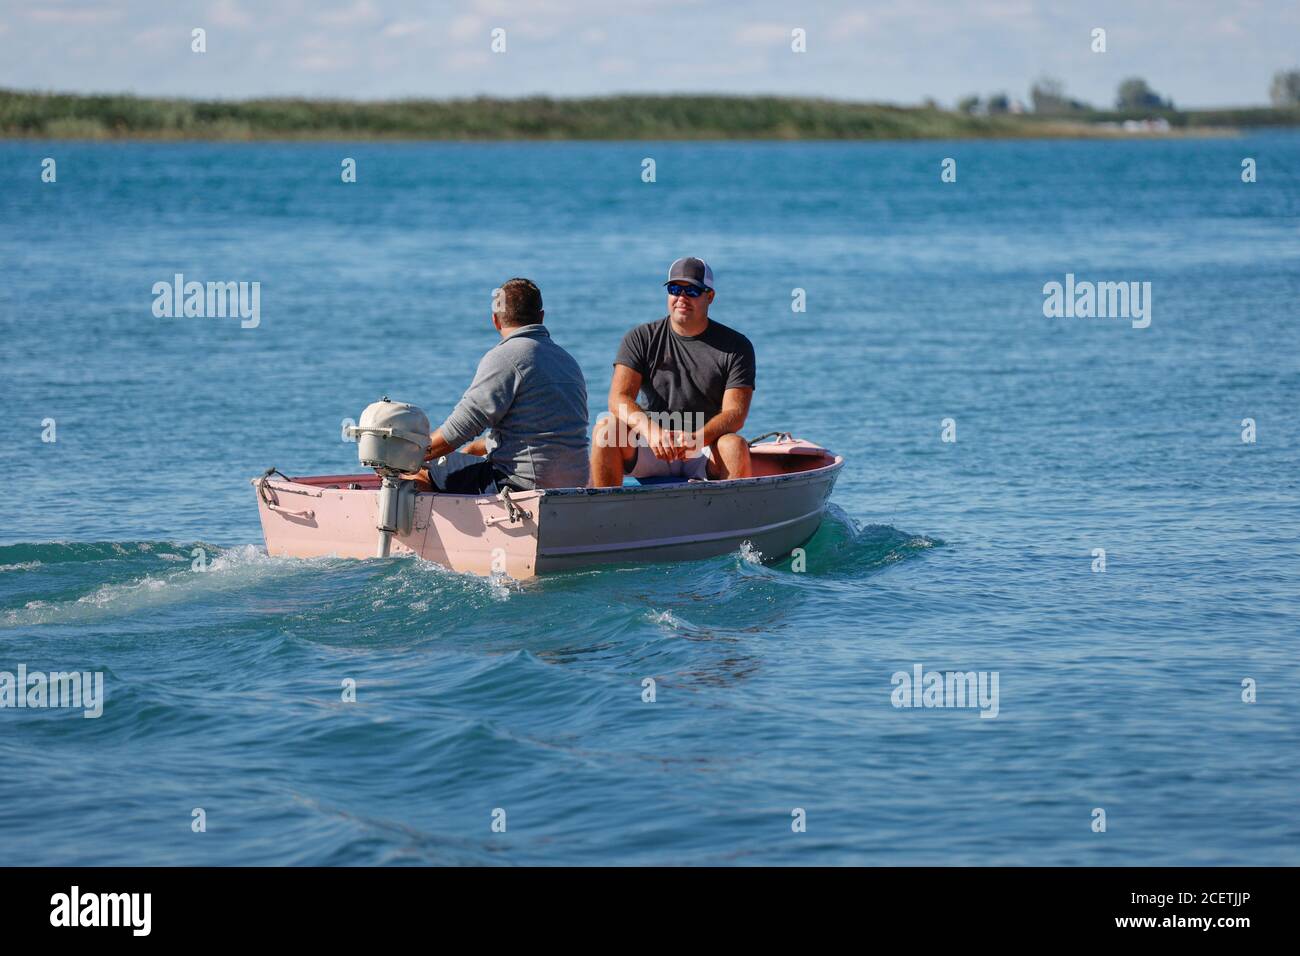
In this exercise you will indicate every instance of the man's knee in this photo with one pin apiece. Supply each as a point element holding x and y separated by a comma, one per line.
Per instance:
<point>731,442</point>
<point>610,459</point>
<point>610,437</point>
<point>731,456</point>
<point>603,437</point>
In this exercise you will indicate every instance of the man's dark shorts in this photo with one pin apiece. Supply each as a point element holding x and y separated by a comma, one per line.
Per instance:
<point>459,474</point>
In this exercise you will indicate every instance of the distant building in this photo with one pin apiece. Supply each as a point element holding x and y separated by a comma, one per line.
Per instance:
<point>1157,125</point>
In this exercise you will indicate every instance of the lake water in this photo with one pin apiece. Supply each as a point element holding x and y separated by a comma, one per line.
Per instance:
<point>1119,690</point>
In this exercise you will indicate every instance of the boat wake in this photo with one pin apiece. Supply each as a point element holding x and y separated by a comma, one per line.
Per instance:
<point>844,548</point>
<point>77,583</point>
<point>850,547</point>
<point>67,583</point>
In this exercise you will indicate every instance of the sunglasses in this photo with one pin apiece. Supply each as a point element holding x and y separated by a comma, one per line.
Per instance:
<point>690,291</point>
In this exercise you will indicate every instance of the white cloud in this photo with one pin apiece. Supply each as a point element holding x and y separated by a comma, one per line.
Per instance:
<point>1009,11</point>
<point>77,17</point>
<point>324,52</point>
<point>501,8</point>
<point>362,11</point>
<point>850,24</point>
<point>1228,26</point>
<point>467,60</point>
<point>319,63</point>
<point>468,27</point>
<point>894,50</point>
<point>614,66</point>
<point>763,34</point>
<point>228,13</point>
<point>160,38</point>
<point>405,28</point>
<point>317,41</point>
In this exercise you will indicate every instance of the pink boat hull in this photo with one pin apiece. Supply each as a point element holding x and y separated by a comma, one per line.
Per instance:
<point>564,529</point>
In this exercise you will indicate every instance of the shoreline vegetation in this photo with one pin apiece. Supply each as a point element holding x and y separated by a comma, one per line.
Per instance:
<point>38,115</point>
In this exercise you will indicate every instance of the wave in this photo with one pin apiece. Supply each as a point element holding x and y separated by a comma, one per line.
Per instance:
<point>173,574</point>
<point>844,548</point>
<point>404,599</point>
<point>30,554</point>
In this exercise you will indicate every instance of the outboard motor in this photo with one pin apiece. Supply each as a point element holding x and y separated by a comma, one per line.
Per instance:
<point>391,438</point>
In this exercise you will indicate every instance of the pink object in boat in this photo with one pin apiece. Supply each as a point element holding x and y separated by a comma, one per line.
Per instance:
<point>784,445</point>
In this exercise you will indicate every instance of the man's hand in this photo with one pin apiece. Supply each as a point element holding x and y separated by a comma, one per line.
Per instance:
<point>683,443</point>
<point>667,445</point>
<point>662,442</point>
<point>421,479</point>
<point>676,446</point>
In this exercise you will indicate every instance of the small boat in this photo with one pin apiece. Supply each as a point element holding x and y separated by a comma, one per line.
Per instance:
<point>527,533</point>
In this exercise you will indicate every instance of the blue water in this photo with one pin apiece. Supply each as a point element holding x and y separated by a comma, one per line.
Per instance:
<point>1119,690</point>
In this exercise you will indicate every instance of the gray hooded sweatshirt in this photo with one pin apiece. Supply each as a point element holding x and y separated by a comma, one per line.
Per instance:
<point>531,394</point>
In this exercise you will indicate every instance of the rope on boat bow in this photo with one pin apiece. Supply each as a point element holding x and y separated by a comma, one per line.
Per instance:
<point>261,484</point>
<point>779,436</point>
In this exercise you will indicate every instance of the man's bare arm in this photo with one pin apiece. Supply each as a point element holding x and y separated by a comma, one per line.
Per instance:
<point>623,390</point>
<point>735,409</point>
<point>438,446</point>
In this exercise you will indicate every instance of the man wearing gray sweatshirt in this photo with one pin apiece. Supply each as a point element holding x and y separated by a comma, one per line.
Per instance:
<point>531,397</point>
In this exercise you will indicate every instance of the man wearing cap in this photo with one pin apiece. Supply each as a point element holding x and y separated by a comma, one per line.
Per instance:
<point>531,396</point>
<point>695,377</point>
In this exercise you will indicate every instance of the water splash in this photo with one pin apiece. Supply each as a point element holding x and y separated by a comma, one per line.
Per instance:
<point>665,619</point>
<point>844,548</point>
<point>129,592</point>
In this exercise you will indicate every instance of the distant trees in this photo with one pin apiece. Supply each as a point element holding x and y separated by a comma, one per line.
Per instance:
<point>1134,94</point>
<point>1048,97</point>
<point>995,104</point>
<point>1285,89</point>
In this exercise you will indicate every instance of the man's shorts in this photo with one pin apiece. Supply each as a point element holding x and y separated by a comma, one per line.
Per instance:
<point>459,474</point>
<point>648,466</point>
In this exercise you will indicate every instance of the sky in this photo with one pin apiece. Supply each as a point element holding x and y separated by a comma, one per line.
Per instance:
<point>1199,52</point>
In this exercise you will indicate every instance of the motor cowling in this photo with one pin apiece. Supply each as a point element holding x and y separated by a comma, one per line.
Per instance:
<point>392,437</point>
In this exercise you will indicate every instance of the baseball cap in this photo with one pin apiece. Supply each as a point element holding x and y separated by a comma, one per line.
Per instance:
<point>692,270</point>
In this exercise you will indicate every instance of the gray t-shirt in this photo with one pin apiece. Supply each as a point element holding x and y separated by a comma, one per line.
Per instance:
<point>687,374</point>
